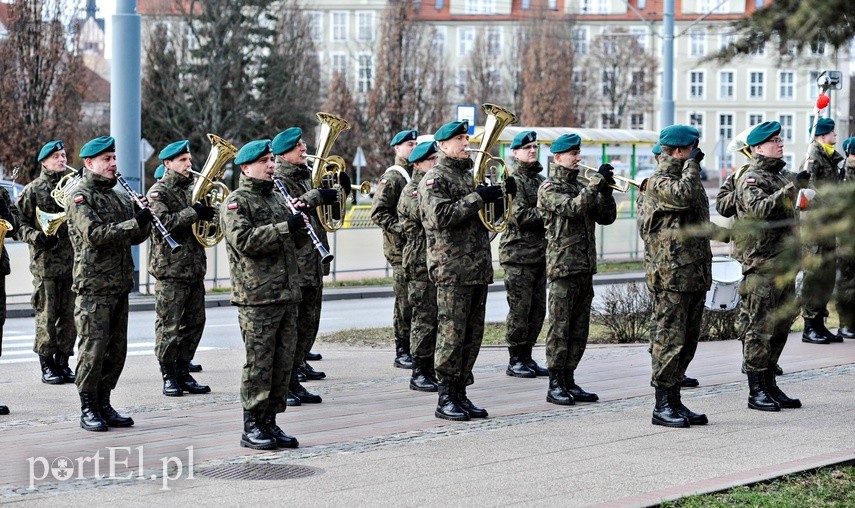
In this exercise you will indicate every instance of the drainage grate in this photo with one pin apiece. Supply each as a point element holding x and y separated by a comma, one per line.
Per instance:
<point>257,472</point>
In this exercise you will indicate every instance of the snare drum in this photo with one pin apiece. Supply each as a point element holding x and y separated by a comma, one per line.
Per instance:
<point>726,276</point>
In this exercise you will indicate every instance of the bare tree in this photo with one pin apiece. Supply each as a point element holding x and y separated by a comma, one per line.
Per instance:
<point>485,82</point>
<point>40,93</point>
<point>340,102</point>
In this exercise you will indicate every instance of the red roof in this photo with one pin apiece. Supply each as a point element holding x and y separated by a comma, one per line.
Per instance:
<point>165,7</point>
<point>97,88</point>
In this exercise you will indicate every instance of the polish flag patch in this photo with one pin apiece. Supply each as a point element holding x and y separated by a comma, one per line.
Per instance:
<point>383,182</point>
<point>78,199</point>
<point>547,185</point>
<point>751,181</point>
<point>429,182</point>
<point>232,206</point>
<point>154,195</point>
<point>415,193</point>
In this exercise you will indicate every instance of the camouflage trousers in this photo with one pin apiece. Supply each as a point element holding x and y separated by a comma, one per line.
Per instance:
<point>308,321</point>
<point>818,283</point>
<point>102,322</point>
<point>846,291</point>
<point>526,287</point>
<point>403,314</point>
<point>180,321</point>
<point>270,338</point>
<point>569,321</point>
<point>768,311</point>
<point>460,330</point>
<point>2,309</point>
<point>422,297</point>
<point>53,301</point>
<point>675,331</point>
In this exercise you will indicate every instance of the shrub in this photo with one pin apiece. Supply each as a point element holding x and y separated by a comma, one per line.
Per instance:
<point>626,311</point>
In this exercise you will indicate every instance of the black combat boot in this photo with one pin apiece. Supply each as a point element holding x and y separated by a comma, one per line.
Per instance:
<point>171,388</point>
<point>420,380</point>
<point>291,400</point>
<point>61,362</point>
<point>301,376</point>
<point>403,359</point>
<point>447,407</point>
<point>819,326</point>
<point>557,393</point>
<point>845,332</point>
<point>194,367</point>
<point>465,404</point>
<point>311,373</point>
<point>186,381</point>
<point>689,382</point>
<point>283,440</point>
<point>4,410</point>
<point>50,373</point>
<point>90,413</point>
<point>758,397</point>
<point>577,392</point>
<point>303,395</point>
<point>777,394</point>
<point>110,415</point>
<point>531,364</point>
<point>778,370</point>
<point>664,413</point>
<point>812,334</point>
<point>682,410</point>
<point>254,436</point>
<point>313,357</point>
<point>516,363</point>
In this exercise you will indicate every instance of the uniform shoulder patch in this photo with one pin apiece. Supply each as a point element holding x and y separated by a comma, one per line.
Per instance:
<point>415,193</point>
<point>232,205</point>
<point>383,181</point>
<point>546,185</point>
<point>154,195</point>
<point>79,198</point>
<point>750,181</point>
<point>430,181</point>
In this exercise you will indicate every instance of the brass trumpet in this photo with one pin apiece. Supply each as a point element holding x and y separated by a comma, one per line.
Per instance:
<point>584,176</point>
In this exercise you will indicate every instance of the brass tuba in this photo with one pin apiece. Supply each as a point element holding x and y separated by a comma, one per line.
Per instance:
<point>210,190</point>
<point>327,169</point>
<point>487,166</point>
<point>51,222</point>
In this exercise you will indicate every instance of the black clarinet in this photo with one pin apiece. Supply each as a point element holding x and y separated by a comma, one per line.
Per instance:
<point>326,257</point>
<point>173,245</point>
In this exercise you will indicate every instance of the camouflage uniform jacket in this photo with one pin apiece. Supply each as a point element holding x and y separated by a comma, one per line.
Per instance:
<point>458,245</point>
<point>44,263</point>
<point>676,257</point>
<point>725,200</point>
<point>384,211</point>
<point>524,242</point>
<point>414,255</point>
<point>12,218</point>
<point>765,195</point>
<point>261,249</point>
<point>850,170</point>
<point>298,181</point>
<point>170,201</point>
<point>102,228</point>
<point>824,169</point>
<point>570,212</point>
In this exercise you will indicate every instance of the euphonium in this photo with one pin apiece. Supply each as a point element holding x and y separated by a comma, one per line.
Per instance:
<point>327,169</point>
<point>210,190</point>
<point>487,166</point>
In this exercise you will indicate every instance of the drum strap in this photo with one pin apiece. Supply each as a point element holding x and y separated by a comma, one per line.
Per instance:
<point>401,170</point>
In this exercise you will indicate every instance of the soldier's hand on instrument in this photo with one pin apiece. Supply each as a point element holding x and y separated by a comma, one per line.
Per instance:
<point>299,204</point>
<point>45,241</point>
<point>490,193</point>
<point>204,212</point>
<point>697,154</point>
<point>511,186</point>
<point>344,181</point>
<point>802,180</point>
<point>296,222</point>
<point>143,217</point>
<point>329,196</point>
<point>608,172</point>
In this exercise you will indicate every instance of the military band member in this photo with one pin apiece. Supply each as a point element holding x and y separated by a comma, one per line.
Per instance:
<point>289,151</point>
<point>522,253</point>
<point>571,211</point>
<point>179,289</point>
<point>422,291</point>
<point>765,197</point>
<point>103,225</point>
<point>677,260</point>
<point>51,260</point>
<point>384,213</point>
<point>819,268</point>
<point>260,241</point>
<point>846,260</point>
<point>10,215</point>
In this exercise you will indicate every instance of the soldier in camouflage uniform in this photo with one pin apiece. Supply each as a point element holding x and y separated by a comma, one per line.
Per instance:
<point>846,260</point>
<point>459,263</point>
<point>766,219</point>
<point>289,150</point>
<point>180,288</point>
<point>261,240</point>
<point>422,291</point>
<point>819,268</point>
<point>10,215</point>
<point>51,259</point>
<point>103,226</point>
<point>522,253</point>
<point>677,259</point>
<point>571,211</point>
<point>384,213</point>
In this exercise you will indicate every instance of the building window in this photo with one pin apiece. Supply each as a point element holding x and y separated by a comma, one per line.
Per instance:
<point>494,42</point>
<point>365,73</point>
<point>696,85</point>
<point>339,26</point>
<point>789,160</point>
<point>697,42</point>
<point>637,88</point>
<point>725,126</point>
<point>696,120</point>
<point>552,5</point>
<point>786,121</point>
<point>787,80</point>
<point>725,84</point>
<point>480,7</point>
<point>712,7</point>
<point>608,82</point>
<point>817,47</point>
<point>640,35</point>
<point>525,4</point>
<point>607,121</point>
<point>756,85</point>
<point>760,51</point>
<point>610,43</point>
<point>315,19</point>
<point>462,82</point>
<point>726,38</point>
<point>338,64</point>
<point>438,39</point>
<point>365,26</point>
<point>465,41</point>
<point>812,89</point>
<point>754,119</point>
<point>636,121</point>
<point>439,4</point>
<point>580,40</point>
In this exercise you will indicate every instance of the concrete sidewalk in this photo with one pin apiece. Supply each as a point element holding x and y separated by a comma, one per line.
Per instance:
<point>374,442</point>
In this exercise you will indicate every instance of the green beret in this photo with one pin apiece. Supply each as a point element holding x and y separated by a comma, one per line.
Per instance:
<point>849,146</point>
<point>49,148</point>
<point>523,138</point>
<point>408,135</point>
<point>565,143</point>
<point>422,151</point>
<point>450,130</point>
<point>823,126</point>
<point>286,140</point>
<point>98,146</point>
<point>159,172</point>
<point>173,150</point>
<point>678,135</point>
<point>657,149</point>
<point>252,151</point>
<point>762,132</point>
